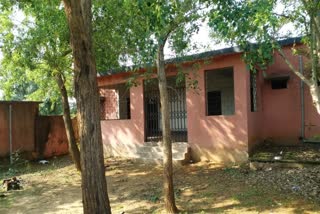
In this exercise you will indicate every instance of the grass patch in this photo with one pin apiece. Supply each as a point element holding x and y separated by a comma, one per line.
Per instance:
<point>254,197</point>
<point>152,197</point>
<point>32,167</point>
<point>6,202</point>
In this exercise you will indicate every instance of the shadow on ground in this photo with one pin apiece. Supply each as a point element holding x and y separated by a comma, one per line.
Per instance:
<point>198,188</point>
<point>136,187</point>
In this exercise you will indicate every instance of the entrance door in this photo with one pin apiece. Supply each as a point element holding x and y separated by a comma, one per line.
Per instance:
<point>152,112</point>
<point>177,108</point>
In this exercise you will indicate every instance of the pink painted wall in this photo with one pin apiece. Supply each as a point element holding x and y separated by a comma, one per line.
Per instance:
<point>224,138</point>
<point>124,137</point>
<point>219,138</point>
<point>281,108</point>
<point>279,111</point>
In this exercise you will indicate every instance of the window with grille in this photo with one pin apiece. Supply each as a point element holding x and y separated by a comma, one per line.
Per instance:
<point>115,102</point>
<point>219,91</point>
<point>253,91</point>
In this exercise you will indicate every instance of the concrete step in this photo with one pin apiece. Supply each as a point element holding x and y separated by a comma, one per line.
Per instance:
<point>153,151</point>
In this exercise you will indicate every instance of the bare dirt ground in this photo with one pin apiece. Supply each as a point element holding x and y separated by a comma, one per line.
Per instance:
<point>135,187</point>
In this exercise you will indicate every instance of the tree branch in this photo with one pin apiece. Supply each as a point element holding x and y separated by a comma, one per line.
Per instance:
<point>282,15</point>
<point>187,17</point>
<point>295,71</point>
<point>65,53</point>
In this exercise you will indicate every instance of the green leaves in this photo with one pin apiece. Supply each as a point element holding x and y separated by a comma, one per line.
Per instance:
<point>160,21</point>
<point>33,47</point>
<point>258,21</point>
<point>36,46</point>
<point>245,22</point>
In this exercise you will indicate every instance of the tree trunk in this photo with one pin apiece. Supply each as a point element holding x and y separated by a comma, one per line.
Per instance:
<point>73,148</point>
<point>314,58</point>
<point>94,187</point>
<point>315,95</point>
<point>315,49</point>
<point>169,200</point>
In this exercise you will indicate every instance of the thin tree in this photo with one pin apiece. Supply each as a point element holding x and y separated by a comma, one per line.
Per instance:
<point>35,55</point>
<point>72,142</point>
<point>163,21</point>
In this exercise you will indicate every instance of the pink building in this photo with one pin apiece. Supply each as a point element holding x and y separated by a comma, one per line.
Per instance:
<point>222,120</point>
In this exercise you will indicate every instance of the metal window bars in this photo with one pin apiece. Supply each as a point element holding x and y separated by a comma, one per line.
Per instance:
<point>177,108</point>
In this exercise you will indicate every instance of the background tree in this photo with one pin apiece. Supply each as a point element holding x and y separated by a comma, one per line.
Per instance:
<point>22,43</point>
<point>263,22</point>
<point>94,185</point>
<point>37,49</point>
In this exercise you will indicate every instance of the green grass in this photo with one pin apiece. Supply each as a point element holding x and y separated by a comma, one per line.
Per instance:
<point>6,202</point>
<point>252,197</point>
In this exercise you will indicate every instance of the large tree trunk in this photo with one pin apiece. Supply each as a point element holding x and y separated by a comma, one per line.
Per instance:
<point>94,187</point>
<point>169,200</point>
<point>72,143</point>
